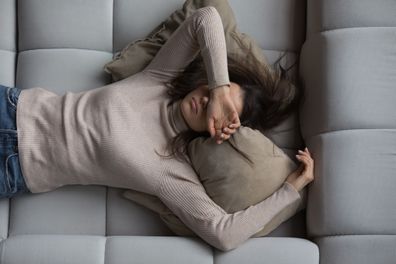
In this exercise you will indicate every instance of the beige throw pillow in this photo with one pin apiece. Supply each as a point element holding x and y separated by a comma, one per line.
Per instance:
<point>231,180</point>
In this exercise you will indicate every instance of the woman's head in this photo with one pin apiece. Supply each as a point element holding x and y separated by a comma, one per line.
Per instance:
<point>196,117</point>
<point>261,102</point>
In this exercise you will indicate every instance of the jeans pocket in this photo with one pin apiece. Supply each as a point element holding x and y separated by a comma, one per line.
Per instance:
<point>11,173</point>
<point>12,98</point>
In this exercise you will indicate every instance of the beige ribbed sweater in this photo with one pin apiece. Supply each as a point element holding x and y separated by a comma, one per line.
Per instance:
<point>107,136</point>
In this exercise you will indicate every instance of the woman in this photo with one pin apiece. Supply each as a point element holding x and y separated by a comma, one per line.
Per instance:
<point>112,135</point>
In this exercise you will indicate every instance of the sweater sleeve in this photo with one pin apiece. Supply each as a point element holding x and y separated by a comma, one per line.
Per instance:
<point>188,199</point>
<point>201,32</point>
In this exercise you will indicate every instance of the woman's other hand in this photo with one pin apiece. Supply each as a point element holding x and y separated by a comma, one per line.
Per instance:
<point>222,116</point>
<point>304,174</point>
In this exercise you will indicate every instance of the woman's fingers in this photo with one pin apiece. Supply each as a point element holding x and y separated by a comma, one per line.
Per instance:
<point>303,159</point>
<point>300,157</point>
<point>218,133</point>
<point>308,162</point>
<point>307,150</point>
<point>211,127</point>
<point>214,128</point>
<point>306,159</point>
<point>235,120</point>
<point>304,153</point>
<point>229,131</point>
<point>231,128</point>
<point>224,137</point>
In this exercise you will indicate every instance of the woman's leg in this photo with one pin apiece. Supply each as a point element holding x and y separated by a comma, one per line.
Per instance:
<point>11,178</point>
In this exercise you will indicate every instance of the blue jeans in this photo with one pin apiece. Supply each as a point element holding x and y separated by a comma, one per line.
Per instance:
<point>12,181</point>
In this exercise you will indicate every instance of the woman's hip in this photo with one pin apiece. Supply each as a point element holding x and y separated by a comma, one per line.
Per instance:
<point>11,179</point>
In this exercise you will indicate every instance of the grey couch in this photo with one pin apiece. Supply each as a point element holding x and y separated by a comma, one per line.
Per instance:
<point>346,51</point>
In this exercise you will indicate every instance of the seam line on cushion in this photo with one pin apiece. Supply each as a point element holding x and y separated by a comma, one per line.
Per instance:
<point>64,48</point>
<point>104,253</point>
<point>343,130</point>
<point>10,51</point>
<point>339,235</point>
<point>350,28</point>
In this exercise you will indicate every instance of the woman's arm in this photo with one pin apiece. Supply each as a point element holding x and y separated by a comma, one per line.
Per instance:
<point>188,199</point>
<point>202,31</point>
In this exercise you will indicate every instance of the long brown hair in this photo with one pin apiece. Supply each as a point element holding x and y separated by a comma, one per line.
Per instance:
<point>266,103</point>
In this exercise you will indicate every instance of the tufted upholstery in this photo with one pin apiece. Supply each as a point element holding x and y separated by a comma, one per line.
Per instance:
<point>348,67</point>
<point>62,46</point>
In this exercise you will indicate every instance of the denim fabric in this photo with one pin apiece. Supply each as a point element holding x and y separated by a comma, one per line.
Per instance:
<point>12,181</point>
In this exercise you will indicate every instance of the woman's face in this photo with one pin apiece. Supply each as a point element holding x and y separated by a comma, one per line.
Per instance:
<point>196,117</point>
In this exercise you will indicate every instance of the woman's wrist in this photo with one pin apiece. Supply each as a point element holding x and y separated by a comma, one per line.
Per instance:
<point>220,90</point>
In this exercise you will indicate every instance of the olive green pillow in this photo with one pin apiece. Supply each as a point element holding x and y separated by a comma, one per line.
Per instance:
<point>137,55</point>
<point>231,180</point>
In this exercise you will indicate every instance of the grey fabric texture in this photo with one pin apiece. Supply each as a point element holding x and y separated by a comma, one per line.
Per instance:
<point>347,64</point>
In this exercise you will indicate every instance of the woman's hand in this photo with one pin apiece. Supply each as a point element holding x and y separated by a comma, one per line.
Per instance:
<point>304,173</point>
<point>222,116</point>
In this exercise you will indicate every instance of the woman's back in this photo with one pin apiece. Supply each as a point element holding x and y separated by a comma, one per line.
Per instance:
<point>104,136</point>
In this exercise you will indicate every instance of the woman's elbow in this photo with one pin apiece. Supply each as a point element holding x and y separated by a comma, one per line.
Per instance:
<point>217,240</point>
<point>227,244</point>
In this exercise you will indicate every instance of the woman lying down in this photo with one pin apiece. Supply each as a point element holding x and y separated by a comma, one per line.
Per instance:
<point>114,135</point>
